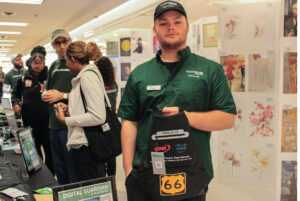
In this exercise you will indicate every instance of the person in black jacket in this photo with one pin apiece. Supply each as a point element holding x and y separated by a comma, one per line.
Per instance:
<point>26,100</point>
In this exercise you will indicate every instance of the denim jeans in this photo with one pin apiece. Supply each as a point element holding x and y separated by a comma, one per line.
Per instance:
<point>62,158</point>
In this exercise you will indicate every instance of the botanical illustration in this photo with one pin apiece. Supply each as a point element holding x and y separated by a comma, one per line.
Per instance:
<point>289,129</point>
<point>234,68</point>
<point>261,72</point>
<point>238,119</point>
<point>232,162</point>
<point>261,119</point>
<point>290,73</point>
<point>260,162</point>
<point>289,181</point>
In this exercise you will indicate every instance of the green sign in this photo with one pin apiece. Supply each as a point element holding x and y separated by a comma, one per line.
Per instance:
<point>102,191</point>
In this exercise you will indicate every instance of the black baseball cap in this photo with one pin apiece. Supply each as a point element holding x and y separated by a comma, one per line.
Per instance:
<point>166,6</point>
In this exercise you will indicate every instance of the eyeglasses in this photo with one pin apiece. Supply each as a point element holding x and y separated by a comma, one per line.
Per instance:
<point>37,63</point>
<point>58,43</point>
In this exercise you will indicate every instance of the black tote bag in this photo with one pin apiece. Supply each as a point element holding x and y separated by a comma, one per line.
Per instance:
<point>105,139</point>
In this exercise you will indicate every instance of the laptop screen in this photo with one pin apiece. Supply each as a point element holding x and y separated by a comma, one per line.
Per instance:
<point>30,155</point>
<point>6,104</point>
<point>100,189</point>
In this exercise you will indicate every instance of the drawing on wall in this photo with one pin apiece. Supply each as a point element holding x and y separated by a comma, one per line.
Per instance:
<point>112,49</point>
<point>232,28</point>
<point>210,35</point>
<point>156,45</point>
<point>261,119</point>
<point>234,68</point>
<point>290,73</point>
<point>289,181</point>
<point>238,119</point>
<point>141,43</point>
<point>259,28</point>
<point>125,71</point>
<point>125,46</point>
<point>261,72</point>
<point>289,129</point>
<point>290,18</point>
<point>260,162</point>
<point>230,160</point>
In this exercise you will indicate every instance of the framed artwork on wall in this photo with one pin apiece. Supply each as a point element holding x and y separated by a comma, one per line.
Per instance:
<point>210,35</point>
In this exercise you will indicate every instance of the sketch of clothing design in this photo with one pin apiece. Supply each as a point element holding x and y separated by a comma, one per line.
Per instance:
<point>260,79</point>
<point>237,82</point>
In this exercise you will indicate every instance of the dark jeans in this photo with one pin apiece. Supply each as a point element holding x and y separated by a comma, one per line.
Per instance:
<point>85,166</point>
<point>62,158</point>
<point>134,192</point>
<point>40,133</point>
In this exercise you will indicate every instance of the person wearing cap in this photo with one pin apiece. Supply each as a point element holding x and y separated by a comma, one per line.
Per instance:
<point>2,76</point>
<point>175,82</point>
<point>14,74</point>
<point>57,90</point>
<point>27,102</point>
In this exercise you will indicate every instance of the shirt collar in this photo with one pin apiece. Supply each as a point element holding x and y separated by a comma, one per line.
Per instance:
<point>183,54</point>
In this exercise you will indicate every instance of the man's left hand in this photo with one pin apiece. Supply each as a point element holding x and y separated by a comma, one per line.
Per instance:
<point>168,111</point>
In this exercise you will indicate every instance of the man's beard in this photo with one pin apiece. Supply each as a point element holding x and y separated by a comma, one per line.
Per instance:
<point>18,66</point>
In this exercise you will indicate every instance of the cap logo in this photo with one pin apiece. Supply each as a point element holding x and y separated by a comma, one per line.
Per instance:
<point>169,4</point>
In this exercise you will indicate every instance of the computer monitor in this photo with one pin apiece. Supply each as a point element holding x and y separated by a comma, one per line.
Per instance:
<point>100,189</point>
<point>29,152</point>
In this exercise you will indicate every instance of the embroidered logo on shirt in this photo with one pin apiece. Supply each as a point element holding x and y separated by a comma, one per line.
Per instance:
<point>192,73</point>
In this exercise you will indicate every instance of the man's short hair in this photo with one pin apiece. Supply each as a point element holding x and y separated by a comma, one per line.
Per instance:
<point>59,33</point>
<point>166,6</point>
<point>13,57</point>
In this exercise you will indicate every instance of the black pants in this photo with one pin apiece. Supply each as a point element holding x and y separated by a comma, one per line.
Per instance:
<point>85,166</point>
<point>111,167</point>
<point>134,193</point>
<point>41,133</point>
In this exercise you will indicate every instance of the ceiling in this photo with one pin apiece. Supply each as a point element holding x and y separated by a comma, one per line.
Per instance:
<point>72,14</point>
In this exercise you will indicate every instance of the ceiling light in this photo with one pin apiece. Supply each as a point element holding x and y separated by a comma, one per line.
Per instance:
<point>8,41</point>
<point>6,45</point>
<point>4,49</point>
<point>10,32</point>
<point>21,24</point>
<point>23,1</point>
<point>87,34</point>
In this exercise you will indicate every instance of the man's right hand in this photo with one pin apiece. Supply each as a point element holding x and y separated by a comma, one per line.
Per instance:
<point>53,96</point>
<point>17,109</point>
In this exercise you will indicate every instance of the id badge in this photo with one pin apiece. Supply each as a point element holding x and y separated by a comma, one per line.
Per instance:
<point>28,83</point>
<point>158,163</point>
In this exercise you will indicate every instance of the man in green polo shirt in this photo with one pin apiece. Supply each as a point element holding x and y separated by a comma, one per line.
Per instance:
<point>58,88</point>
<point>175,78</point>
<point>11,78</point>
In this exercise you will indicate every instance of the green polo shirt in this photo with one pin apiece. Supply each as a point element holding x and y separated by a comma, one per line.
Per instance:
<point>12,77</point>
<point>196,84</point>
<point>59,78</point>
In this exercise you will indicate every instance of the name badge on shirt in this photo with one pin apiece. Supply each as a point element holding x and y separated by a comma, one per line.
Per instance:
<point>158,163</point>
<point>153,87</point>
<point>28,83</point>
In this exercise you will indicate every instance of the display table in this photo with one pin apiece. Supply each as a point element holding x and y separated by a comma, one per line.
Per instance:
<point>42,178</point>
